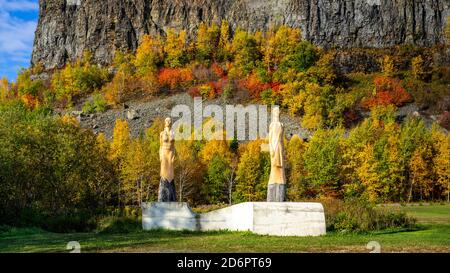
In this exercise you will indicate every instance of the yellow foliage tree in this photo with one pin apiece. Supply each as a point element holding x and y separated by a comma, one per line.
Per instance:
<point>294,154</point>
<point>139,173</point>
<point>224,41</point>
<point>148,55</point>
<point>103,143</point>
<point>175,48</point>
<point>249,172</point>
<point>4,89</point>
<point>280,43</point>
<point>246,53</point>
<point>442,160</point>
<point>79,78</point>
<point>417,64</point>
<point>207,41</point>
<point>387,65</point>
<point>421,172</point>
<point>188,171</point>
<point>215,147</point>
<point>367,173</point>
<point>121,140</point>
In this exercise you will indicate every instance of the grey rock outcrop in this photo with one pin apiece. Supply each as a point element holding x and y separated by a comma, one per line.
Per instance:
<point>68,27</point>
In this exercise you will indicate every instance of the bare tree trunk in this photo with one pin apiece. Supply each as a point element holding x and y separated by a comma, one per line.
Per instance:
<point>180,190</point>
<point>230,189</point>
<point>182,179</point>
<point>230,186</point>
<point>448,193</point>
<point>410,192</point>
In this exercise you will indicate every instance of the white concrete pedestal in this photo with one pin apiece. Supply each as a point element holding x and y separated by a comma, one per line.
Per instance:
<point>279,219</point>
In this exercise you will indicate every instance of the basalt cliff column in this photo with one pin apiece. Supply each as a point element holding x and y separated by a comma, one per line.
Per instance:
<point>68,27</point>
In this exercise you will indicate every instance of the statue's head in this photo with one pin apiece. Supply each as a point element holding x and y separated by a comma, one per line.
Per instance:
<point>275,114</point>
<point>168,123</point>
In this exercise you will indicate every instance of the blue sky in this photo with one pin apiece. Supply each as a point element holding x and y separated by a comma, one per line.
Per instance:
<point>18,20</point>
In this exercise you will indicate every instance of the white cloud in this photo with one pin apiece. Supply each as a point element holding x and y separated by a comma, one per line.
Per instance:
<point>18,5</point>
<point>16,34</point>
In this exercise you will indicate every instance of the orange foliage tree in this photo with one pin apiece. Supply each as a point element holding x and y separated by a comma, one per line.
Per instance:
<point>388,91</point>
<point>254,85</point>
<point>175,78</point>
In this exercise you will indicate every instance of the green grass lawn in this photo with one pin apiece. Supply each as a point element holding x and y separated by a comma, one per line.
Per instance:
<point>429,236</point>
<point>431,214</point>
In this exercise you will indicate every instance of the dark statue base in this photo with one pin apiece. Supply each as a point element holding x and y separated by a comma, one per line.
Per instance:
<point>276,193</point>
<point>166,191</point>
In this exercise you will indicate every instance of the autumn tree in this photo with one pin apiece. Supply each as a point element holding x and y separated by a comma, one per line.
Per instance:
<point>207,42</point>
<point>390,168</point>
<point>251,173</point>
<point>413,134</point>
<point>421,172</point>
<point>320,106</point>
<point>188,171</point>
<point>224,49</point>
<point>175,78</point>
<point>214,185</point>
<point>368,174</point>
<point>139,172</point>
<point>294,153</point>
<point>121,140</point>
<point>442,160</point>
<point>103,143</point>
<point>387,64</point>
<point>217,157</point>
<point>149,55</point>
<point>418,67</point>
<point>302,57</point>
<point>175,48</point>
<point>360,165</point>
<point>50,168</point>
<point>230,177</point>
<point>79,78</point>
<point>4,89</point>
<point>322,163</point>
<point>246,52</point>
<point>388,91</point>
<point>30,91</point>
<point>125,82</point>
<point>280,43</point>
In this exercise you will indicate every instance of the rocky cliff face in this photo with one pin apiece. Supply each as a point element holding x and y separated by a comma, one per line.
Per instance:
<point>68,27</point>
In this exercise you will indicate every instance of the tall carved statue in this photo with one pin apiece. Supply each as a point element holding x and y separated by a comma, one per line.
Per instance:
<point>276,190</point>
<point>167,157</point>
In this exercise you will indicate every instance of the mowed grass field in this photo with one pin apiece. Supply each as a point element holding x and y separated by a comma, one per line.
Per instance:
<point>431,235</point>
<point>430,214</point>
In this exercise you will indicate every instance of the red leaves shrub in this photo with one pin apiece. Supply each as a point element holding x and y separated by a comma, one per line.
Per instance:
<point>218,70</point>
<point>253,85</point>
<point>175,78</point>
<point>388,91</point>
<point>275,86</point>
